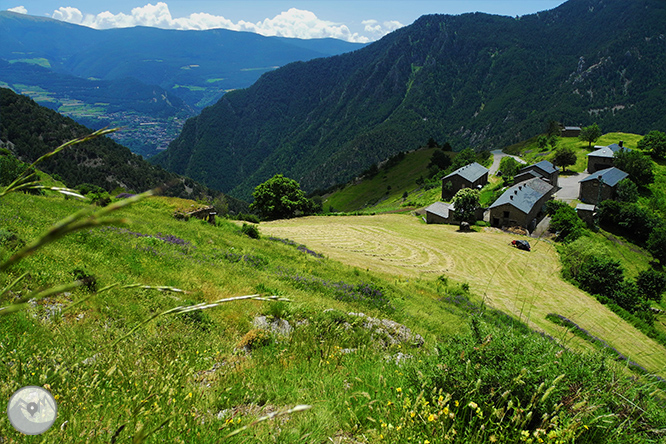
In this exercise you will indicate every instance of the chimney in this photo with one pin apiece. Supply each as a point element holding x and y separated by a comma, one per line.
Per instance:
<point>621,143</point>
<point>511,197</point>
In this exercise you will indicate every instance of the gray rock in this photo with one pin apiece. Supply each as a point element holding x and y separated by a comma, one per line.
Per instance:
<point>280,327</point>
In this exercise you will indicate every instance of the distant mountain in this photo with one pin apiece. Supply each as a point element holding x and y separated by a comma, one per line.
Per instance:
<point>195,66</point>
<point>473,80</point>
<point>31,131</point>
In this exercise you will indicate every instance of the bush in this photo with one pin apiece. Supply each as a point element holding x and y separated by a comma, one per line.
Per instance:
<point>100,199</point>
<point>656,243</point>
<point>509,166</point>
<point>566,222</point>
<point>628,219</point>
<point>553,205</point>
<point>600,275</point>
<point>627,191</point>
<point>250,231</point>
<point>651,284</point>
<point>248,217</point>
<point>639,166</point>
<point>577,253</point>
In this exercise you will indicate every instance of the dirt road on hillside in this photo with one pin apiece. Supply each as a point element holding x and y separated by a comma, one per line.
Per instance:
<point>526,284</point>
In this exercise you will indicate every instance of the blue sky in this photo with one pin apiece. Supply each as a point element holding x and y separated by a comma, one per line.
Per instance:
<point>352,20</point>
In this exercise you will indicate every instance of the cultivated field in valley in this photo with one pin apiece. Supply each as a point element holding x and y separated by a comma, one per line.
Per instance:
<point>525,284</point>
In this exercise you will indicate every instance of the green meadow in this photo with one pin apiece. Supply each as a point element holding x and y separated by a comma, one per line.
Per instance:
<point>149,328</point>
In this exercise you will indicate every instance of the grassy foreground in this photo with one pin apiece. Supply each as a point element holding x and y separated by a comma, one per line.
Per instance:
<point>478,376</point>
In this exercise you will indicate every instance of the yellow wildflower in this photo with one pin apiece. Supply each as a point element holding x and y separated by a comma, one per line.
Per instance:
<point>431,418</point>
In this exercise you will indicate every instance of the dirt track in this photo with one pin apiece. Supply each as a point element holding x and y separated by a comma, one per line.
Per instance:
<point>527,285</point>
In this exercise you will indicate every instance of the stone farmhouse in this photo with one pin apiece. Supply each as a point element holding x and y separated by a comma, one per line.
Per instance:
<point>570,131</point>
<point>543,170</point>
<point>444,213</point>
<point>440,213</point>
<point>600,186</point>
<point>522,204</point>
<point>603,157</point>
<point>472,175</point>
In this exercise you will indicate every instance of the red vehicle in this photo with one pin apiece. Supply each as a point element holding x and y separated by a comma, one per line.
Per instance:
<point>521,245</point>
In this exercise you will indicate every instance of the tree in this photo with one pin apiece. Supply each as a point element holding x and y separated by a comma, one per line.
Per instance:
<point>590,134</point>
<point>656,244</point>
<point>566,222</point>
<point>509,166</point>
<point>564,156</point>
<point>627,191</point>
<point>554,128</point>
<point>279,198</point>
<point>651,284</point>
<point>655,143</point>
<point>440,160</point>
<point>466,202</point>
<point>600,275</point>
<point>639,166</point>
<point>463,158</point>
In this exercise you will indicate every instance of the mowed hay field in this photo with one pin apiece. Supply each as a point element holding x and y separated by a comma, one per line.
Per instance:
<point>525,284</point>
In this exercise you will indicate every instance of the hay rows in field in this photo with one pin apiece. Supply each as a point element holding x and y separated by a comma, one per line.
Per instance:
<point>373,244</point>
<point>527,285</point>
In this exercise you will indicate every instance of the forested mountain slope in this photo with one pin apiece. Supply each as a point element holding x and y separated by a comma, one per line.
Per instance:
<point>474,80</point>
<point>140,78</point>
<point>30,131</point>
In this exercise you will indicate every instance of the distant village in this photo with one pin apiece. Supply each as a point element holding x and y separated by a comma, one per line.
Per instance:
<point>522,205</point>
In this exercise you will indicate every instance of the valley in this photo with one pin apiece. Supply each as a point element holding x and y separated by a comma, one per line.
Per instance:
<point>375,304</point>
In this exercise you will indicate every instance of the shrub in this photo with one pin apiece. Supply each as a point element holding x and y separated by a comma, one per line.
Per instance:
<point>250,231</point>
<point>509,166</point>
<point>600,275</point>
<point>100,199</point>
<point>566,222</point>
<point>627,191</point>
<point>553,205</point>
<point>639,166</point>
<point>651,284</point>
<point>656,243</point>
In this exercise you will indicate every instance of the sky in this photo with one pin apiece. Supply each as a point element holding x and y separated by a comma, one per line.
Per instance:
<point>359,21</point>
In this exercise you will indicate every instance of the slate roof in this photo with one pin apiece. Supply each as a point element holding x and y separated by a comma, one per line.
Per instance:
<point>572,128</point>
<point>471,172</point>
<point>607,151</point>
<point>528,172</point>
<point>585,207</point>
<point>441,209</point>
<point>610,176</point>
<point>544,166</point>
<point>524,195</point>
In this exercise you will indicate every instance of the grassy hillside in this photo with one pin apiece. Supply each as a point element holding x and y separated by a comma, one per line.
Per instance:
<point>196,376</point>
<point>386,189</point>
<point>530,152</point>
<point>525,285</point>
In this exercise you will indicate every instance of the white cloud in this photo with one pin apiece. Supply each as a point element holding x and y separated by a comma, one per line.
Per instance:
<point>18,9</point>
<point>292,23</point>
<point>379,30</point>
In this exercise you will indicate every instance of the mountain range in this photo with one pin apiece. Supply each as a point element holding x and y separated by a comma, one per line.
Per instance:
<point>474,80</point>
<point>140,78</point>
